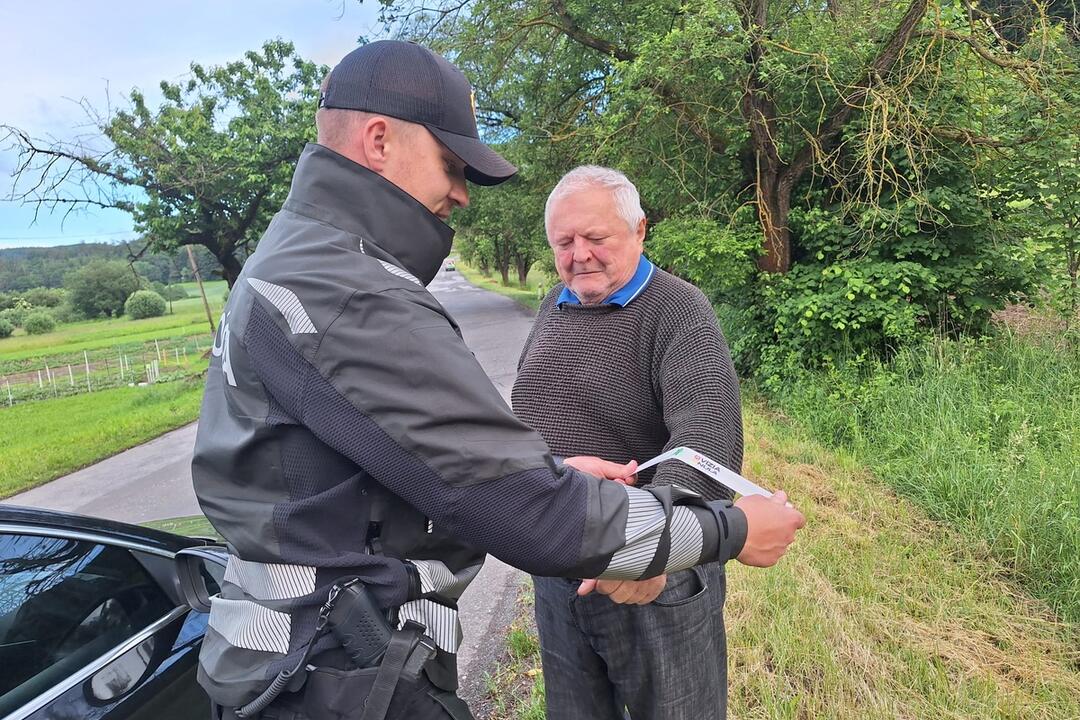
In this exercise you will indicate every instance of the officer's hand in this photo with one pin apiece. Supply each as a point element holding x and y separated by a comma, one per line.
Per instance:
<point>626,592</point>
<point>604,468</point>
<point>770,528</point>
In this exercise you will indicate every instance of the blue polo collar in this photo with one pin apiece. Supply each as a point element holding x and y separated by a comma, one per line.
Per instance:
<point>624,295</point>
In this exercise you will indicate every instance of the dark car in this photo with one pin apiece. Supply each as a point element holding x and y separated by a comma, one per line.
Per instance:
<point>101,619</point>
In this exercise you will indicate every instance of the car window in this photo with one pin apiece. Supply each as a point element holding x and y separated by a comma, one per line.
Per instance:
<point>64,603</point>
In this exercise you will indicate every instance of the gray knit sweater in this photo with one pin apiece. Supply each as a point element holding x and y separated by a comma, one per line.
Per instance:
<point>627,383</point>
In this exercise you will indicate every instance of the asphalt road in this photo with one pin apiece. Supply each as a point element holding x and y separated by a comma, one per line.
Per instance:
<point>153,481</point>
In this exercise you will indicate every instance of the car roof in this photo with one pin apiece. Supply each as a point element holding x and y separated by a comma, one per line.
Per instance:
<point>125,532</point>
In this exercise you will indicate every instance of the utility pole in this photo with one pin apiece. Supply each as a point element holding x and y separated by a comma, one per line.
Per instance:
<point>202,291</point>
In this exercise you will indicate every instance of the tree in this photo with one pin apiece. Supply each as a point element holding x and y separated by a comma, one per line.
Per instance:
<point>208,167</point>
<point>860,136</point>
<point>510,221</point>
<point>100,288</point>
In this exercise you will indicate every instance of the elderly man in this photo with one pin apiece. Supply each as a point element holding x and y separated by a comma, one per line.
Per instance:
<point>626,361</point>
<point>355,456</point>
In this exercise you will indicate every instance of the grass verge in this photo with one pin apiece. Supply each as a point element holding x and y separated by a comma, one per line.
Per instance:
<point>878,611</point>
<point>515,689</point>
<point>46,439</point>
<point>528,296</point>
<point>984,435</point>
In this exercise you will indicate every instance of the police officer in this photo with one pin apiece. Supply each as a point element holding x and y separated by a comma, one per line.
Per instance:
<point>355,456</point>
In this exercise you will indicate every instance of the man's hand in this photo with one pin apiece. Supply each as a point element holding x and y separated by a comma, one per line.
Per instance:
<point>604,468</point>
<point>626,592</point>
<point>770,528</point>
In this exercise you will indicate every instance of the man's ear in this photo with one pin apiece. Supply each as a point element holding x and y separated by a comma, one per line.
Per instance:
<point>373,137</point>
<point>640,234</point>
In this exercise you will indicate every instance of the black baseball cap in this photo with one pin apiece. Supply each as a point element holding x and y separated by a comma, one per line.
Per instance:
<point>409,82</point>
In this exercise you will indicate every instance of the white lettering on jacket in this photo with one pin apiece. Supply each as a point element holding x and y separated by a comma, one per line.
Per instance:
<point>221,349</point>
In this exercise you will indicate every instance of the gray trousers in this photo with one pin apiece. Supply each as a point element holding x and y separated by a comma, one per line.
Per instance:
<point>662,661</point>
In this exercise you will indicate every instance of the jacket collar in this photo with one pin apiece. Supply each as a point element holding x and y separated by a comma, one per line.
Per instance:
<point>331,188</point>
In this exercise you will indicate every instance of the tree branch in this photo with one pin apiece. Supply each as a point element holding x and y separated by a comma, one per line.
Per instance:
<point>880,68</point>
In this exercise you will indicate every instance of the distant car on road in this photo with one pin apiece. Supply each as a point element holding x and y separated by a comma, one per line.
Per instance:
<point>449,266</point>
<point>97,618</point>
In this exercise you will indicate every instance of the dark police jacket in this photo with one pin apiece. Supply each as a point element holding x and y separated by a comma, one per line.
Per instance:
<point>347,431</point>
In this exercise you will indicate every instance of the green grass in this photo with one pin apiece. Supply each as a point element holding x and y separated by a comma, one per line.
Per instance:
<point>875,612</point>
<point>46,439</point>
<point>529,296</point>
<point>983,435</point>
<point>515,687</point>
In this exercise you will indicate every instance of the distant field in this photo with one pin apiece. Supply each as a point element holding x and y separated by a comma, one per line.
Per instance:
<point>46,439</point>
<point>67,342</point>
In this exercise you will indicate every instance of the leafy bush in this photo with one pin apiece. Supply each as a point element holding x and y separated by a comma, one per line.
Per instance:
<point>144,304</point>
<point>816,314</point>
<point>100,288</point>
<point>39,322</point>
<point>65,312</point>
<point>719,259</point>
<point>42,297</point>
<point>6,328</point>
<point>15,315</point>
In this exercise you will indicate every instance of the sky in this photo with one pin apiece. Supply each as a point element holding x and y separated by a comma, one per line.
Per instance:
<point>57,53</point>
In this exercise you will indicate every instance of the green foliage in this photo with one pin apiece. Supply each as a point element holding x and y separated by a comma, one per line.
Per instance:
<point>838,137</point>
<point>819,313</point>
<point>144,304</point>
<point>983,434</point>
<point>718,259</point>
<point>174,292</point>
<point>504,230</point>
<point>42,297</point>
<point>100,288</point>
<point>25,268</point>
<point>6,328</point>
<point>39,322</point>
<point>15,315</point>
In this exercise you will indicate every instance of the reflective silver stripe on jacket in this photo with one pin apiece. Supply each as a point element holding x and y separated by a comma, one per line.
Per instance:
<point>441,622</point>
<point>287,303</point>
<point>645,523</point>
<point>395,270</point>
<point>247,624</point>
<point>270,581</point>
<point>435,577</point>
<point>686,538</point>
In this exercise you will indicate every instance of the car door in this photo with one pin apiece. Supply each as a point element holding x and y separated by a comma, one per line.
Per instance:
<point>94,629</point>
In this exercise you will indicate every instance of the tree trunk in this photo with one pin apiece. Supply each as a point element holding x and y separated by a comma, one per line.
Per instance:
<point>522,265</point>
<point>774,206</point>
<point>230,267</point>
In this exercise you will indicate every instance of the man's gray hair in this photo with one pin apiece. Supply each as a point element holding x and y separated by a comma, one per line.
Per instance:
<point>623,192</point>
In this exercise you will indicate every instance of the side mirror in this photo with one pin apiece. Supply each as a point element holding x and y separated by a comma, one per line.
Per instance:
<point>199,572</point>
